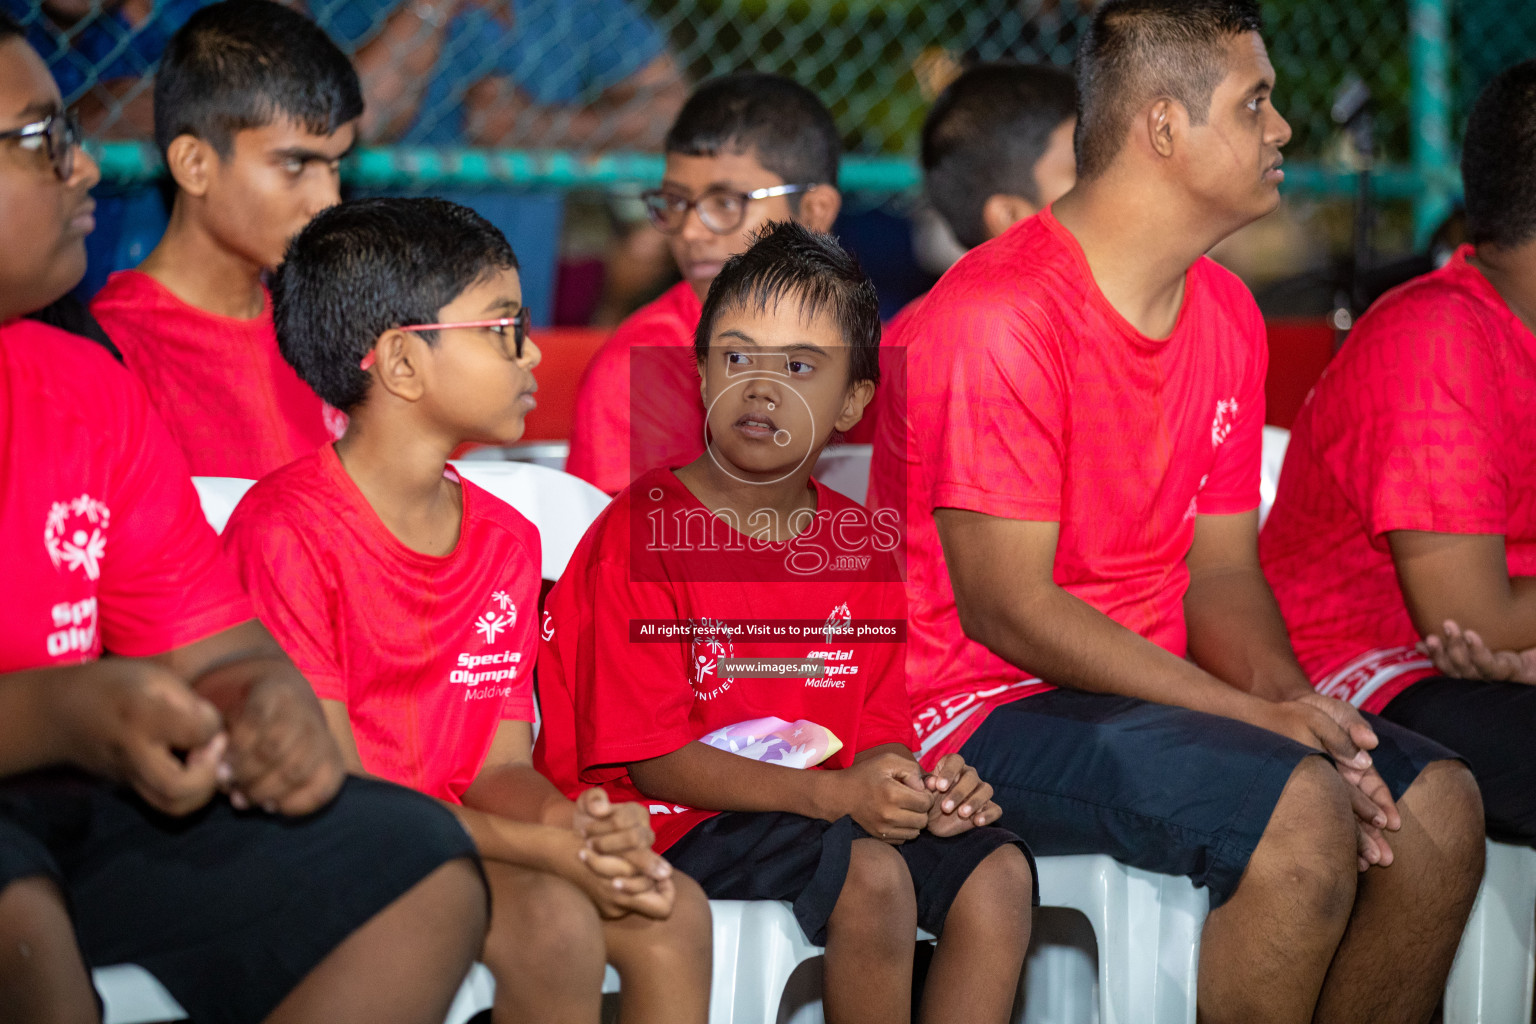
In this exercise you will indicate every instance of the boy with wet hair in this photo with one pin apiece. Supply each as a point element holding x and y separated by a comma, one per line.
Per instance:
<point>1402,543</point>
<point>409,596</point>
<point>726,646</point>
<point>745,149</point>
<point>1088,392</point>
<point>254,109</point>
<point>293,896</point>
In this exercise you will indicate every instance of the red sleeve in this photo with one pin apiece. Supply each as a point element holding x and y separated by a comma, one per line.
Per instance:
<point>166,583</point>
<point>632,700</point>
<point>666,412</point>
<point>1001,449</point>
<point>1425,449</point>
<point>600,422</point>
<point>283,574</point>
<point>887,714</point>
<point>1233,484</point>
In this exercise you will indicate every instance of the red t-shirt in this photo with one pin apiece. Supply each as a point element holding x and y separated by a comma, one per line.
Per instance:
<point>104,536</point>
<point>612,693</point>
<point>893,468</point>
<point>229,398</point>
<point>1425,420</point>
<point>1030,397</point>
<point>429,654</point>
<point>638,405</point>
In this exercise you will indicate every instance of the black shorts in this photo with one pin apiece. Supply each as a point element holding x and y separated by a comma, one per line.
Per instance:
<point>1157,787</point>
<point>1493,726</point>
<point>229,909</point>
<point>775,855</point>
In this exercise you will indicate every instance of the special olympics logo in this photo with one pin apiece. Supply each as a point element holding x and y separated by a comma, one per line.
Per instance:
<point>837,624</point>
<point>711,642</point>
<point>75,535</point>
<point>1225,420</point>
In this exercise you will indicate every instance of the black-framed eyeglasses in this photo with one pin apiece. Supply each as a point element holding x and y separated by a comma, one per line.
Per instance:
<point>518,321</point>
<point>721,210</point>
<point>58,133</point>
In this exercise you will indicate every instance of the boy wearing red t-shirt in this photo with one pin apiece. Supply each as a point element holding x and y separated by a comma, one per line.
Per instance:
<point>745,149</point>
<point>409,597</point>
<point>996,148</point>
<point>254,108</point>
<point>1407,507</point>
<point>738,603</point>
<point>294,899</point>
<point>1087,395</point>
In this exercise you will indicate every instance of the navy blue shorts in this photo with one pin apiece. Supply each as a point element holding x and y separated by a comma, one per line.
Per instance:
<point>775,855</point>
<point>1492,725</point>
<point>229,909</point>
<point>1157,787</point>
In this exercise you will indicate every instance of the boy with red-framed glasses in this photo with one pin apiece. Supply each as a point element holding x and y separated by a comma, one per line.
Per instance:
<point>746,149</point>
<point>409,597</point>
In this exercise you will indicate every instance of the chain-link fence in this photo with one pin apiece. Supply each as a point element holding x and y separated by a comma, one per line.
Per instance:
<point>548,84</point>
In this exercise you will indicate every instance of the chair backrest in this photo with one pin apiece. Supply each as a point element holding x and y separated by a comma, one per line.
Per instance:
<point>560,505</point>
<point>845,469</point>
<point>1276,440</point>
<point>220,495</point>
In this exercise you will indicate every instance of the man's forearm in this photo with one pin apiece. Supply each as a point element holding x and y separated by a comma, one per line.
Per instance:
<point>699,775</point>
<point>1067,642</point>
<point>1237,635</point>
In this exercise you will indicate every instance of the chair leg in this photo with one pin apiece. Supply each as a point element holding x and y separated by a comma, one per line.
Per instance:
<point>1494,975</point>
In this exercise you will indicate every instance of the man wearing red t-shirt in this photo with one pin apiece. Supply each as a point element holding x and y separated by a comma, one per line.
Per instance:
<point>194,321</point>
<point>1088,392</point>
<point>1407,507</point>
<point>726,644</point>
<point>745,150</point>
<point>409,597</point>
<point>997,148</point>
<point>293,899</point>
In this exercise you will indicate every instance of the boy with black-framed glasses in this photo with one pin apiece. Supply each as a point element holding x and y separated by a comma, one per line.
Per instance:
<point>746,149</point>
<point>409,597</point>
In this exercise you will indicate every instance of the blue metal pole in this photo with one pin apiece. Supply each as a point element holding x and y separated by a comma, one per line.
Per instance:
<point>1434,161</point>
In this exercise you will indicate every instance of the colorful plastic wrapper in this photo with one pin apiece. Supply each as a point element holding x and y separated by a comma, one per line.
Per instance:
<point>799,744</point>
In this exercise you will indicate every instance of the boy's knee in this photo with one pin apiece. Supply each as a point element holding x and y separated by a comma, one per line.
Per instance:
<point>683,937</point>
<point>998,896</point>
<point>878,879</point>
<point>540,917</point>
<point>1007,876</point>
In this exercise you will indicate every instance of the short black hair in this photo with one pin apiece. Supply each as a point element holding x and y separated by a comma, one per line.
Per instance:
<point>776,119</point>
<point>10,27</point>
<point>245,63</point>
<point>367,266</point>
<point>1498,160</point>
<point>790,261</point>
<point>984,136</point>
<point>1138,51</point>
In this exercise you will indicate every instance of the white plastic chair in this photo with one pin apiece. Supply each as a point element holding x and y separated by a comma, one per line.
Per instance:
<point>1276,440</point>
<point>845,469</point>
<point>1147,928</point>
<point>1494,976</point>
<point>560,505</point>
